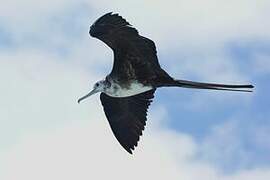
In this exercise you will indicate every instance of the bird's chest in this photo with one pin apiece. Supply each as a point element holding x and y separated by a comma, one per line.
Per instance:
<point>130,89</point>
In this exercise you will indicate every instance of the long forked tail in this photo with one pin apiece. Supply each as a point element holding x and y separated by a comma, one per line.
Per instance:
<point>213,86</point>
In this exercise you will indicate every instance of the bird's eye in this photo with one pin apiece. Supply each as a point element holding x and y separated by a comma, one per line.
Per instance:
<point>97,84</point>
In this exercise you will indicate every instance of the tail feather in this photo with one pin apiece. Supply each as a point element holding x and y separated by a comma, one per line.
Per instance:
<point>213,86</point>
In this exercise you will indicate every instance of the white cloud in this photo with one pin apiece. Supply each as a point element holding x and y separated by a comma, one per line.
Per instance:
<point>223,143</point>
<point>27,10</point>
<point>59,139</point>
<point>87,150</point>
<point>46,135</point>
<point>198,31</point>
<point>208,20</point>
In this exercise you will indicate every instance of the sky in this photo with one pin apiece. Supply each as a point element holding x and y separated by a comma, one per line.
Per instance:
<point>48,61</point>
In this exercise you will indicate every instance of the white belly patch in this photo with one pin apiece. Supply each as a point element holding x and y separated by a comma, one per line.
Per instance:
<point>134,88</point>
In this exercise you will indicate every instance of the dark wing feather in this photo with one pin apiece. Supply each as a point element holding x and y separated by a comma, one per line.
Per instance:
<point>135,56</point>
<point>110,27</point>
<point>127,116</point>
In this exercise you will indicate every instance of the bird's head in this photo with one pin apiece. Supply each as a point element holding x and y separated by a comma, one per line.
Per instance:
<point>99,86</point>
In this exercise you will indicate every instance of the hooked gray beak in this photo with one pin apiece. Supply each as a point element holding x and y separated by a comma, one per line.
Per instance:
<point>87,95</point>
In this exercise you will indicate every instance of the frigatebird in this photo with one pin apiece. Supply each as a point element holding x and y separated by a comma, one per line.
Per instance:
<point>128,90</point>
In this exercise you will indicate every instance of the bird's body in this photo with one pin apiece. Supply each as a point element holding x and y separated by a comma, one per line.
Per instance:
<point>128,90</point>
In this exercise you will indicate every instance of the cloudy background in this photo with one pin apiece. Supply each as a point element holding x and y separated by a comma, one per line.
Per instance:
<point>48,60</point>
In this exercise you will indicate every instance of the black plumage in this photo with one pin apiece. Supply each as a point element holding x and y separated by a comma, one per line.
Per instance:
<point>127,116</point>
<point>129,89</point>
<point>135,56</point>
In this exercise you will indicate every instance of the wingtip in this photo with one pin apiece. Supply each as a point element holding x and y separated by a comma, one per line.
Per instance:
<point>129,151</point>
<point>109,13</point>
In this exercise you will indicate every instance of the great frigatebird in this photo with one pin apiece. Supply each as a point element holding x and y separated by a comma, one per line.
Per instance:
<point>128,90</point>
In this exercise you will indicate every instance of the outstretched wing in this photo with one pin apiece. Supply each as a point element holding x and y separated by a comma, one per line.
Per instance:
<point>135,56</point>
<point>127,116</point>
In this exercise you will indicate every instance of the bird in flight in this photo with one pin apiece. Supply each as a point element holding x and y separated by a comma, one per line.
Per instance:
<point>128,90</point>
